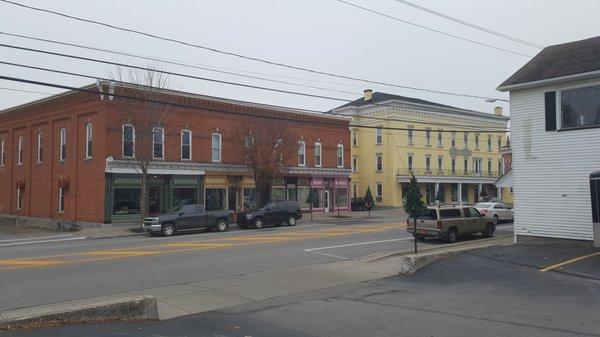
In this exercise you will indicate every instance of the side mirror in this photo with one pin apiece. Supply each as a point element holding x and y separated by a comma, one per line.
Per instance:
<point>181,213</point>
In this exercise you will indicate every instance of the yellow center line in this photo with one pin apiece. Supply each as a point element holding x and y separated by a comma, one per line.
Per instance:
<point>564,263</point>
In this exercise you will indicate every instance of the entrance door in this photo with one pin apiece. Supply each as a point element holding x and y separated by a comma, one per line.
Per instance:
<point>326,201</point>
<point>154,200</point>
<point>232,198</point>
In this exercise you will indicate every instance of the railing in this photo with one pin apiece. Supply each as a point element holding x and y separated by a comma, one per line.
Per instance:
<point>446,173</point>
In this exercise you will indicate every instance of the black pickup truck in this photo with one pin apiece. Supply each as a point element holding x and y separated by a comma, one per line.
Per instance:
<point>188,218</point>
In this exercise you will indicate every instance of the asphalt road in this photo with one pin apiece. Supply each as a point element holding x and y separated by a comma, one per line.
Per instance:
<point>473,294</point>
<point>42,272</point>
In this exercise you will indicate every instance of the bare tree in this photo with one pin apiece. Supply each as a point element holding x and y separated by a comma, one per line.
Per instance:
<point>143,114</point>
<point>265,148</point>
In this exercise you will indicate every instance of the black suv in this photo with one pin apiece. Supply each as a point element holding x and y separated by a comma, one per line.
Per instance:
<point>273,213</point>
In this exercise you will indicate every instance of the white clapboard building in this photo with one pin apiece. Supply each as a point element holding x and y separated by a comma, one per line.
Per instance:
<point>555,135</point>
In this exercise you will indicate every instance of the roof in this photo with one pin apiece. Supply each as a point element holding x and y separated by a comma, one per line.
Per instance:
<point>506,180</point>
<point>560,60</point>
<point>381,97</point>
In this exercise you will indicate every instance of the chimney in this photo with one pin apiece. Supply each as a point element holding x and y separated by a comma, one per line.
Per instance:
<point>498,111</point>
<point>368,95</point>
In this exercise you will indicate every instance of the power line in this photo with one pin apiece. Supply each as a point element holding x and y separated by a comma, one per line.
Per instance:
<point>27,91</point>
<point>238,55</point>
<point>171,73</point>
<point>148,100</point>
<point>427,28</point>
<point>148,58</point>
<point>472,25</point>
<point>108,79</point>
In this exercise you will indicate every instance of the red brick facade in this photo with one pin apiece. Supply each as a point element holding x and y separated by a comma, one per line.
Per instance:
<point>84,179</point>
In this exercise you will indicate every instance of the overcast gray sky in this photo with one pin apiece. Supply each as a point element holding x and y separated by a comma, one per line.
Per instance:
<point>324,35</point>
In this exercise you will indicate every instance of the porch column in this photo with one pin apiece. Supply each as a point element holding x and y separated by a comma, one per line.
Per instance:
<point>437,189</point>
<point>460,193</point>
<point>479,189</point>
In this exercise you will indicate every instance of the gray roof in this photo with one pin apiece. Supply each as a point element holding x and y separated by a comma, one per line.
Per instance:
<point>379,97</point>
<point>560,60</point>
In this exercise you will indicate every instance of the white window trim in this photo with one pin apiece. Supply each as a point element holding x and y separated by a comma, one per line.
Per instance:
<point>40,146</point>
<point>410,134</point>
<point>181,144</point>
<point>378,136</point>
<point>427,167</point>
<point>212,147</point>
<point>123,141</point>
<point>2,151</point>
<point>337,157</point>
<point>377,156</point>
<point>61,195</point>
<point>440,139</point>
<point>320,146</point>
<point>62,149</point>
<point>302,150</point>
<point>440,164</point>
<point>162,142</point>
<point>427,137</point>
<point>489,148</point>
<point>20,153</point>
<point>89,137</point>
<point>453,140</point>
<point>377,190</point>
<point>355,164</point>
<point>558,100</point>
<point>19,204</point>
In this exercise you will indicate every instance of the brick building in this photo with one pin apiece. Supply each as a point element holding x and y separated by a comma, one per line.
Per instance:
<point>66,158</point>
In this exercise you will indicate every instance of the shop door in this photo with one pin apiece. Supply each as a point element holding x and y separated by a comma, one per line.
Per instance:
<point>326,201</point>
<point>232,199</point>
<point>155,200</point>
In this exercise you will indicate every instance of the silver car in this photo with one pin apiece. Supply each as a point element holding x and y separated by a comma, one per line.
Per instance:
<point>496,210</point>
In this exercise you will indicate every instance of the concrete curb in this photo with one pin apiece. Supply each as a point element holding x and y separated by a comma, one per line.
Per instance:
<point>128,309</point>
<point>411,263</point>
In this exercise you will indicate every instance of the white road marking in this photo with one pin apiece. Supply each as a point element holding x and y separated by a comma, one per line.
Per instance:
<point>326,254</point>
<point>38,237</point>
<point>355,244</point>
<point>41,241</point>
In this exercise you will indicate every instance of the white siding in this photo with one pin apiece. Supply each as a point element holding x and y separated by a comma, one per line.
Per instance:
<point>551,170</point>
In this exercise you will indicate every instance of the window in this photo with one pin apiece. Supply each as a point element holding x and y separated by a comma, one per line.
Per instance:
<point>128,141</point>
<point>378,162</point>
<point>466,165</point>
<point>354,164</point>
<point>500,170</point>
<point>40,147</point>
<point>489,166</point>
<point>158,143</point>
<point>318,155</point>
<point>428,164</point>
<point>216,147</point>
<point>440,163</point>
<point>428,137</point>
<point>453,141</point>
<point>489,143</point>
<point>466,139</point>
<point>61,200</point>
<point>340,155</point>
<point>215,199</point>
<point>62,151</point>
<point>477,141</point>
<point>2,152</point>
<point>580,107</point>
<point>471,212</point>
<point>410,135</point>
<point>453,165</point>
<point>354,190</point>
<point>379,136</point>
<point>476,166</point>
<point>186,145</point>
<point>301,153</point>
<point>499,143</point>
<point>354,138</point>
<point>410,162</point>
<point>451,213</point>
<point>379,190</point>
<point>19,198</point>
<point>439,139</point>
<point>89,136</point>
<point>20,149</point>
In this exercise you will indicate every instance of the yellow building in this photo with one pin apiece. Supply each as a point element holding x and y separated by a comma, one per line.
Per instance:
<point>454,153</point>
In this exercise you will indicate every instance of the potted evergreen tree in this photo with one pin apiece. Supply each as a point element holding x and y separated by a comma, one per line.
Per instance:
<point>369,202</point>
<point>413,204</point>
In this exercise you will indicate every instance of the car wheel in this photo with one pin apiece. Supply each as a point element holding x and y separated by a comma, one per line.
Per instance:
<point>221,226</point>
<point>489,231</point>
<point>168,230</point>
<point>496,218</point>
<point>291,221</point>
<point>452,235</point>
<point>258,223</point>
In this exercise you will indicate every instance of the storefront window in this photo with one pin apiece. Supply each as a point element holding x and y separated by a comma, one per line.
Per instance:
<point>215,199</point>
<point>341,197</point>
<point>303,192</point>
<point>278,193</point>
<point>291,194</point>
<point>126,201</point>
<point>185,196</point>
<point>249,198</point>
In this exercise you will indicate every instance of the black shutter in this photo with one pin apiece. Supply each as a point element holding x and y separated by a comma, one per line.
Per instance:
<point>550,101</point>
